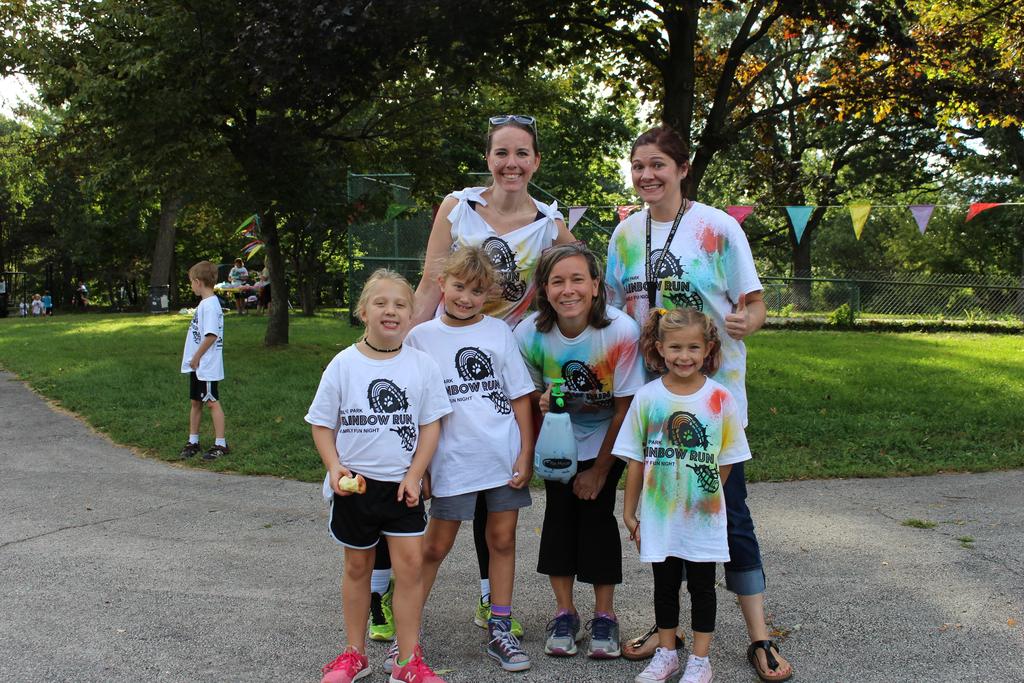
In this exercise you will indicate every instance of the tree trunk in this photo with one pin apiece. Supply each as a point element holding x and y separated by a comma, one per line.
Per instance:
<point>171,205</point>
<point>801,260</point>
<point>277,323</point>
<point>308,294</point>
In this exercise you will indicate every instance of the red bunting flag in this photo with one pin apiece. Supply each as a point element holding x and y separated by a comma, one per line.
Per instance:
<point>625,210</point>
<point>739,212</point>
<point>978,207</point>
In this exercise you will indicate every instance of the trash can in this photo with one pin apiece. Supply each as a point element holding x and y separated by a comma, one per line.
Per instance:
<point>159,298</point>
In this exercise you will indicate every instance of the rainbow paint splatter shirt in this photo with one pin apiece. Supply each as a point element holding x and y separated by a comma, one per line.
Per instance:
<point>514,254</point>
<point>708,266</point>
<point>597,366</point>
<point>682,440</point>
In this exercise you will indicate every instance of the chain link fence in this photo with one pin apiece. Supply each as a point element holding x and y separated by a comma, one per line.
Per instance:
<point>898,295</point>
<point>395,230</point>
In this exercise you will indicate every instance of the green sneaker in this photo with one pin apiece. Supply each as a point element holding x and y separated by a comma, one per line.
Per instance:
<point>483,614</point>
<point>382,619</point>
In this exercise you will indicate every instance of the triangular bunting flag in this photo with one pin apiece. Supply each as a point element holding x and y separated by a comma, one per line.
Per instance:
<point>798,216</point>
<point>395,210</point>
<point>978,207</point>
<point>625,210</point>
<point>859,213</point>
<point>922,214</point>
<point>575,214</point>
<point>739,212</point>
<point>246,228</point>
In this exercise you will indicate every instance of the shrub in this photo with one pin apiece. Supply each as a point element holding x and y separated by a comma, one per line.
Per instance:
<point>843,317</point>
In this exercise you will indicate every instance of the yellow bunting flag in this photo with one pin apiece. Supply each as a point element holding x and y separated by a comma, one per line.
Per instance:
<point>859,213</point>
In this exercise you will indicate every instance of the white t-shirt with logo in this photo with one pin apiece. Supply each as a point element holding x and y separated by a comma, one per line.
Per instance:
<point>377,407</point>
<point>514,254</point>
<point>208,319</point>
<point>708,267</point>
<point>482,372</point>
<point>597,366</point>
<point>682,440</point>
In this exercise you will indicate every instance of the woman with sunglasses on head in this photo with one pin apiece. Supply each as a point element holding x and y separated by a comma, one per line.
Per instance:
<point>513,229</point>
<point>681,253</point>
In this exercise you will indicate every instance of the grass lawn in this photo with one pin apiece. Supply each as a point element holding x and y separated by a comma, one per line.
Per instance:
<point>823,404</point>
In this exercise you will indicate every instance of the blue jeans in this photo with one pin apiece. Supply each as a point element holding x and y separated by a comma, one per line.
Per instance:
<point>744,574</point>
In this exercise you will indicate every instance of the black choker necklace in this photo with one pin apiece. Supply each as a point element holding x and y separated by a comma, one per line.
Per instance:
<point>381,350</point>
<point>455,317</point>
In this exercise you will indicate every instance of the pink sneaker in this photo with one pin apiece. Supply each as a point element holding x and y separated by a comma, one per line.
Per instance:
<point>416,671</point>
<point>350,665</point>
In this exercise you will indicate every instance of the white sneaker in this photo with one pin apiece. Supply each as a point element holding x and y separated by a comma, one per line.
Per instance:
<point>698,670</point>
<point>663,666</point>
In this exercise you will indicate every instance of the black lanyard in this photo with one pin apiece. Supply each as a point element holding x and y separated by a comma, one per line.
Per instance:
<point>652,287</point>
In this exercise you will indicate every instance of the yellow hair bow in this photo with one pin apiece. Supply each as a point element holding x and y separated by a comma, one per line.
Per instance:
<point>661,311</point>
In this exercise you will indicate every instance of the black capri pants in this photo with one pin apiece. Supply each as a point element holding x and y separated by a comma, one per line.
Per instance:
<point>581,537</point>
<point>700,583</point>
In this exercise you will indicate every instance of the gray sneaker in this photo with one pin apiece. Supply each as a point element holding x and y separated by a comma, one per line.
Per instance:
<point>563,632</point>
<point>504,647</point>
<point>604,637</point>
<point>389,658</point>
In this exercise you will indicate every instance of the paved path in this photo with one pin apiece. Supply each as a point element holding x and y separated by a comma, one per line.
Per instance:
<point>117,568</point>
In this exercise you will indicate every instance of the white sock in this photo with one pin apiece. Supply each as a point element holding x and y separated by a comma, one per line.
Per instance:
<point>220,442</point>
<point>379,581</point>
<point>485,588</point>
<point>701,660</point>
<point>193,438</point>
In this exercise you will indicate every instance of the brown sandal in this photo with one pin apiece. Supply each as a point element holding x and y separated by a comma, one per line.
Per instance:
<point>644,646</point>
<point>770,675</point>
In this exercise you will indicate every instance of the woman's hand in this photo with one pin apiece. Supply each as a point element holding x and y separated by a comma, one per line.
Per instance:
<point>587,485</point>
<point>747,317</point>
<point>544,401</point>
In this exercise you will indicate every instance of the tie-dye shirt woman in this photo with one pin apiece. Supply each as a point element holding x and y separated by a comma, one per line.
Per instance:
<point>708,267</point>
<point>682,441</point>
<point>597,365</point>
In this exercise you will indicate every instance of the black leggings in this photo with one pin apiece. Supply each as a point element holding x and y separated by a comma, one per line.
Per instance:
<point>700,583</point>
<point>483,555</point>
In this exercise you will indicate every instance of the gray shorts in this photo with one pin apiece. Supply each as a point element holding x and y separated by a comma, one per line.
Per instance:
<point>460,508</point>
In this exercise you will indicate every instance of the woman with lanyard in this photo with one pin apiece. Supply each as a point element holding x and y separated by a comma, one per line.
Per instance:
<point>681,253</point>
<point>513,228</point>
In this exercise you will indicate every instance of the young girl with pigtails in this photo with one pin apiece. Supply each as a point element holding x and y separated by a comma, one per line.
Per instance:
<point>681,435</point>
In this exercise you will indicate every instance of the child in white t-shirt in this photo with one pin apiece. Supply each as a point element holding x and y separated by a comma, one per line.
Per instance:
<point>576,337</point>
<point>376,420</point>
<point>37,305</point>
<point>681,436</point>
<point>203,361</point>
<point>486,445</point>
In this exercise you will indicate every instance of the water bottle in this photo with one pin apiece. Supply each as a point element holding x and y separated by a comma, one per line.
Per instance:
<point>554,457</point>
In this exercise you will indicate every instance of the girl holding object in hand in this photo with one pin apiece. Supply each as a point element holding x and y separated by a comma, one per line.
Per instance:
<point>377,414</point>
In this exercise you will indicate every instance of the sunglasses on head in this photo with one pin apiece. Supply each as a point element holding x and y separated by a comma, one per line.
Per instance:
<point>509,118</point>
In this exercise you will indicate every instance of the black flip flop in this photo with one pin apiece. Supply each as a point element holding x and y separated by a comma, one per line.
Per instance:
<point>767,646</point>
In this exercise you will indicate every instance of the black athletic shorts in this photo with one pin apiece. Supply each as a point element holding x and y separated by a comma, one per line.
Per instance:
<point>357,521</point>
<point>202,390</point>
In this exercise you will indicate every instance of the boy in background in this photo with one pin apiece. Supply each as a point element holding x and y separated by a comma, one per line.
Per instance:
<point>203,361</point>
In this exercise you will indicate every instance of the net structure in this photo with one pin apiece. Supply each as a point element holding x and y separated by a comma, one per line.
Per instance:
<point>899,295</point>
